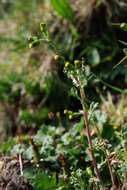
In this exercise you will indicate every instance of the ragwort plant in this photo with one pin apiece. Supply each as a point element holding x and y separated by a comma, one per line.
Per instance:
<point>80,74</point>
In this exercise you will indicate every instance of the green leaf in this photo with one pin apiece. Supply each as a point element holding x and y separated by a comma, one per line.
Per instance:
<point>123,26</point>
<point>6,147</point>
<point>40,180</point>
<point>94,56</point>
<point>63,8</point>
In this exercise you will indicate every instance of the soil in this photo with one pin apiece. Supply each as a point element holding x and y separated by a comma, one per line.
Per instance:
<point>10,178</point>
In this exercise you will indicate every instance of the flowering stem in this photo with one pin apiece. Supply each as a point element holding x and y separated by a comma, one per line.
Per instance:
<point>89,137</point>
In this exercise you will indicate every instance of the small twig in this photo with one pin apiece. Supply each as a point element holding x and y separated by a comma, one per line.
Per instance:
<point>42,102</point>
<point>21,164</point>
<point>111,173</point>
<point>113,179</point>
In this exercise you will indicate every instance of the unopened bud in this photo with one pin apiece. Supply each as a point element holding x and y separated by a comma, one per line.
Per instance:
<point>77,63</point>
<point>43,27</point>
<point>70,117</point>
<point>65,111</point>
<point>67,64</point>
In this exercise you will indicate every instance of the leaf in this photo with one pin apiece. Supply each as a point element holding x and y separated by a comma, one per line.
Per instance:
<point>63,8</point>
<point>40,180</point>
<point>94,56</point>
<point>6,147</point>
<point>17,149</point>
<point>123,26</point>
<point>122,42</point>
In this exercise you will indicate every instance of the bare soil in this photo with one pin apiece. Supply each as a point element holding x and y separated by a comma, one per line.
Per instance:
<point>10,177</point>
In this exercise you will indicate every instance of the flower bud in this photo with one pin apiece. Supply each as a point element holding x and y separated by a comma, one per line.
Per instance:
<point>77,63</point>
<point>65,111</point>
<point>34,44</point>
<point>70,117</point>
<point>56,57</point>
<point>67,64</point>
<point>43,27</point>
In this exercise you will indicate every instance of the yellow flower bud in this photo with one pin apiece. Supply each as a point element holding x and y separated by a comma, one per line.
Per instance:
<point>77,63</point>
<point>67,64</point>
<point>70,117</point>
<point>89,171</point>
<point>30,45</point>
<point>65,111</point>
<point>43,27</point>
